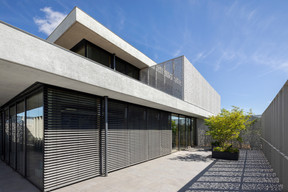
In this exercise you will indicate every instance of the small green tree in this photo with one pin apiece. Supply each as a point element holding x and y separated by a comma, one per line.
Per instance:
<point>227,126</point>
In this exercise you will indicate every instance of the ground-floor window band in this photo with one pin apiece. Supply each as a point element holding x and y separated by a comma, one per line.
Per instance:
<point>71,126</point>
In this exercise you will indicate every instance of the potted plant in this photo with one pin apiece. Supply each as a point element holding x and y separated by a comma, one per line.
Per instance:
<point>225,128</point>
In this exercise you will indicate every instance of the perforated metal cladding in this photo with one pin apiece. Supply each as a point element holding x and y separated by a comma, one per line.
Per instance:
<point>72,123</point>
<point>167,77</point>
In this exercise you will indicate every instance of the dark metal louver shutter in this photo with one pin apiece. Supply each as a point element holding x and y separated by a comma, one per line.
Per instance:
<point>166,133</point>
<point>154,137</point>
<point>118,141</point>
<point>72,124</point>
<point>138,135</point>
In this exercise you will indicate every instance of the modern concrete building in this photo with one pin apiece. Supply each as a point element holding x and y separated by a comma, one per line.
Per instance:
<point>84,103</point>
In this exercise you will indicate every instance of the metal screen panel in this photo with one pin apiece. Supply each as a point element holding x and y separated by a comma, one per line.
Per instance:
<point>166,133</point>
<point>167,77</point>
<point>138,135</point>
<point>154,133</point>
<point>72,124</point>
<point>118,141</point>
<point>274,125</point>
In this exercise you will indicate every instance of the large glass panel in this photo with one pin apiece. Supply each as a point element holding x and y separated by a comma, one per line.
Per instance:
<point>99,55</point>
<point>193,131</point>
<point>182,132</point>
<point>20,137</point>
<point>132,71</point>
<point>175,136</point>
<point>1,136</point>
<point>34,142</point>
<point>7,133</point>
<point>188,132</point>
<point>80,48</point>
<point>13,136</point>
<point>120,65</point>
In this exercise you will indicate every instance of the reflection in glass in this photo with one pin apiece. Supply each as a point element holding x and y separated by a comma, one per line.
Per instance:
<point>182,132</point>
<point>6,137</point>
<point>188,132</point>
<point>13,136</point>
<point>35,139</point>
<point>1,136</point>
<point>174,127</point>
<point>20,137</point>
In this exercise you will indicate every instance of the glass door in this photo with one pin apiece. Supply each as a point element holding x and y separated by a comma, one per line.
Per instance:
<point>175,136</point>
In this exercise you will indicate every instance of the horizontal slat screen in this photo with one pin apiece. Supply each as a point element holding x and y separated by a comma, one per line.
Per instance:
<point>118,141</point>
<point>136,134</point>
<point>72,124</point>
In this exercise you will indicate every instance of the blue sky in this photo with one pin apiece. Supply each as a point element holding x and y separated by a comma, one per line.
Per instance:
<point>240,47</point>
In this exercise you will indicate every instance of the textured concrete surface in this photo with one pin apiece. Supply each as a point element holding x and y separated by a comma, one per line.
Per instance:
<point>78,25</point>
<point>168,173</point>
<point>25,59</point>
<point>198,91</point>
<point>11,181</point>
<point>252,172</point>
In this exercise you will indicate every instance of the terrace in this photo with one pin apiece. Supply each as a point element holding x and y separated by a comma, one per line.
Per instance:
<point>192,170</point>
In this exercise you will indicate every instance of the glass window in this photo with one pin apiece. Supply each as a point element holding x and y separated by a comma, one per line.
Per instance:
<point>1,136</point>
<point>34,142</point>
<point>182,132</point>
<point>20,137</point>
<point>174,126</point>
<point>99,55</point>
<point>13,136</point>
<point>120,65</point>
<point>80,48</point>
<point>188,132</point>
<point>6,137</point>
<point>132,71</point>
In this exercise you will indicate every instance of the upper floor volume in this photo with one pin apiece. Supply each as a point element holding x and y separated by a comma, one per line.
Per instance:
<point>84,35</point>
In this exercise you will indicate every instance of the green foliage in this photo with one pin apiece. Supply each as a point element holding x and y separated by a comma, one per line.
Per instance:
<point>227,126</point>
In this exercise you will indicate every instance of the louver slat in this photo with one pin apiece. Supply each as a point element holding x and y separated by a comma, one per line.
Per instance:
<point>72,146</point>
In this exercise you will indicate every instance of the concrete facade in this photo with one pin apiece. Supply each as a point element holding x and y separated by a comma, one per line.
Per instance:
<point>198,91</point>
<point>78,25</point>
<point>274,124</point>
<point>26,59</point>
<point>82,133</point>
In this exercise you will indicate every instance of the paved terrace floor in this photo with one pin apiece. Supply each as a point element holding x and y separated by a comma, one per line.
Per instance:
<point>183,171</point>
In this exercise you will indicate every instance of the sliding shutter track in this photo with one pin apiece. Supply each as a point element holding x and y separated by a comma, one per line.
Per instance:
<point>72,146</point>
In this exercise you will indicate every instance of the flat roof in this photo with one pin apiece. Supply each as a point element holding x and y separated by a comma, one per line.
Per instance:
<point>78,25</point>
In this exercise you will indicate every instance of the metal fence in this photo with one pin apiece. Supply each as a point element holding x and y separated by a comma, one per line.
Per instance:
<point>166,76</point>
<point>274,124</point>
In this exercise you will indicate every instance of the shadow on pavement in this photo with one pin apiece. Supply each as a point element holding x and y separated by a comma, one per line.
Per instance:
<point>252,172</point>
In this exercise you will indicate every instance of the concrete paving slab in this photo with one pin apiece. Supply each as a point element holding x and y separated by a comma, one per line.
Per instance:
<point>11,181</point>
<point>168,173</point>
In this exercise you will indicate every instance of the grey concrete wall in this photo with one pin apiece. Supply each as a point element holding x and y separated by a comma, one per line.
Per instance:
<point>26,59</point>
<point>202,139</point>
<point>198,91</point>
<point>274,123</point>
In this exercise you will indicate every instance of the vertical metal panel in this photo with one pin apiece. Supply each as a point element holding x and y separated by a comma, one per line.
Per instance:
<point>72,125</point>
<point>167,76</point>
<point>274,123</point>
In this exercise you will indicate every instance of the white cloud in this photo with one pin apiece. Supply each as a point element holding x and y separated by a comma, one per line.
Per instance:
<point>50,22</point>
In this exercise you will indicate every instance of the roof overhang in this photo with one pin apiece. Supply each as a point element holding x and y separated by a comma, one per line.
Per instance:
<point>78,25</point>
